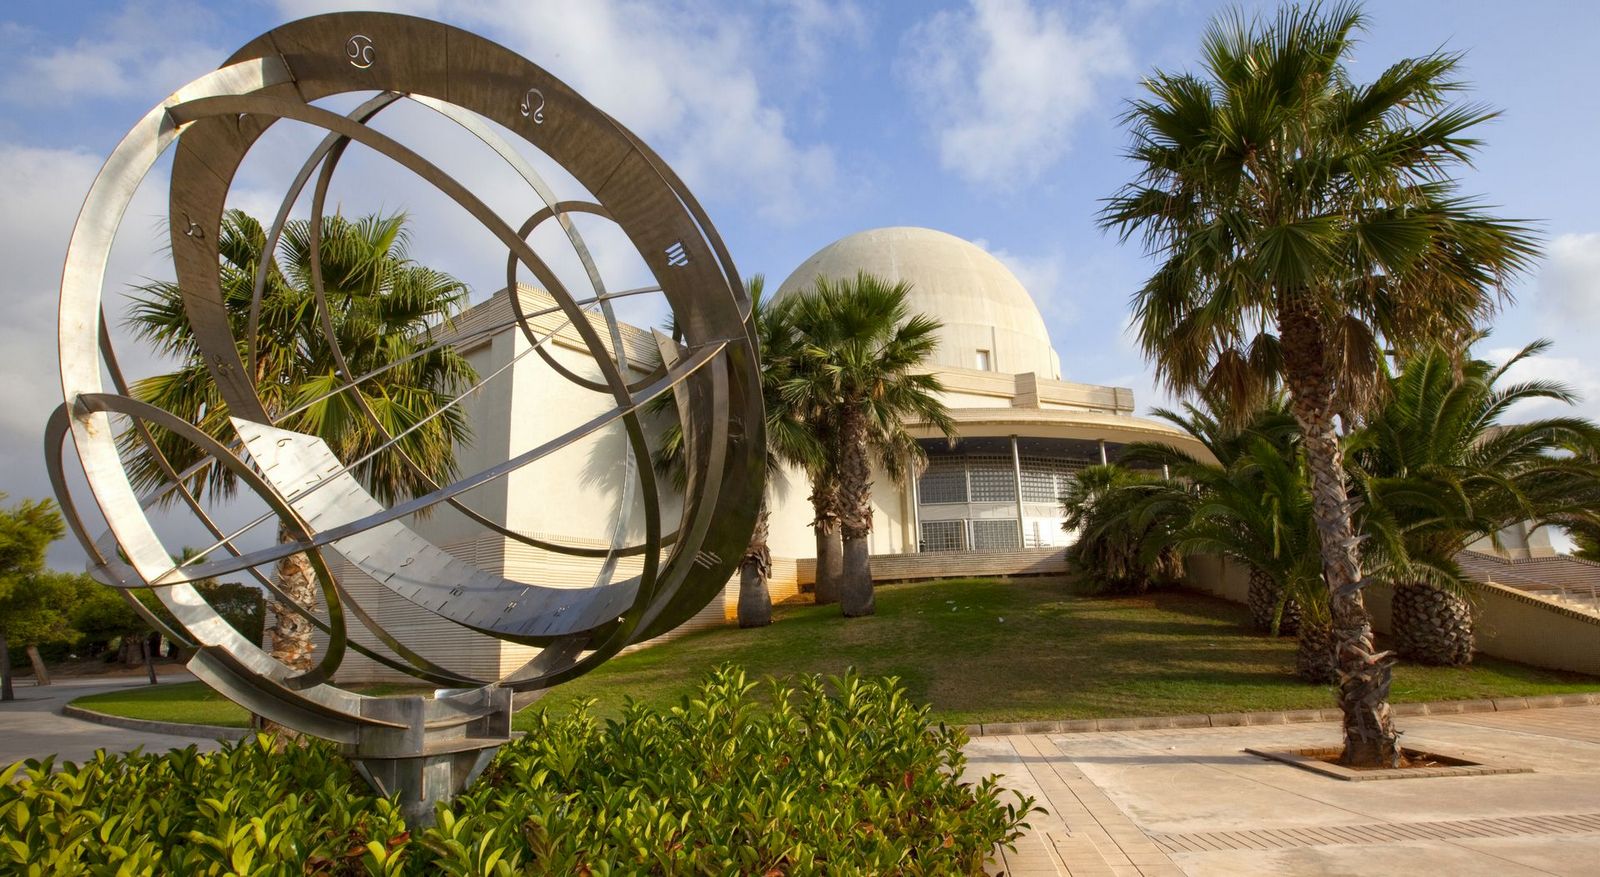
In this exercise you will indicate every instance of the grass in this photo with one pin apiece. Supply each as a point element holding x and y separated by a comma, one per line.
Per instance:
<point>195,703</point>
<point>1056,654</point>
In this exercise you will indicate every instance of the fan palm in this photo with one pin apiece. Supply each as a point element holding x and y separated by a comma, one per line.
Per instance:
<point>1436,459</point>
<point>790,440</point>
<point>857,380</point>
<point>384,309</point>
<point>1303,222</point>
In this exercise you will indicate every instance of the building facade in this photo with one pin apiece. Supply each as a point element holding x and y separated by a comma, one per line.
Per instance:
<point>1023,430</point>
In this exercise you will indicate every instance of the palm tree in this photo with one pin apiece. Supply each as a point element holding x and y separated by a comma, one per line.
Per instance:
<point>384,309</point>
<point>1436,459</point>
<point>1258,510</point>
<point>789,440</point>
<point>1228,435</point>
<point>858,382</point>
<point>1303,223</point>
<point>1124,520</point>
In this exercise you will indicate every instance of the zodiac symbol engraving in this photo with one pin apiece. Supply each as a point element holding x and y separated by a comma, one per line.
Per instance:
<point>530,109</point>
<point>194,230</point>
<point>707,559</point>
<point>360,50</point>
<point>676,256</point>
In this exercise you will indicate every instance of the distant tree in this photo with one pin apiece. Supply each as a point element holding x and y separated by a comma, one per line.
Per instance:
<point>106,616</point>
<point>1124,520</point>
<point>860,379</point>
<point>30,607</point>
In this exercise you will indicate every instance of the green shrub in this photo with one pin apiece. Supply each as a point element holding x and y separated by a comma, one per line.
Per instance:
<point>837,777</point>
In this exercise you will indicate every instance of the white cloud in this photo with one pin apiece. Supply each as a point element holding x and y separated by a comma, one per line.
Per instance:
<point>1565,306</point>
<point>1579,375</point>
<point>808,30</point>
<point>1001,84</point>
<point>683,78</point>
<point>1569,285</point>
<point>136,53</point>
<point>44,189</point>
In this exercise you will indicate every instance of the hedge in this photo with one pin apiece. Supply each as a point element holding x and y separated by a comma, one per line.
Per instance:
<point>839,776</point>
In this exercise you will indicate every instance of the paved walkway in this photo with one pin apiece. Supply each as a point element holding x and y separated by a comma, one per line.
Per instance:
<point>1190,802</point>
<point>32,725</point>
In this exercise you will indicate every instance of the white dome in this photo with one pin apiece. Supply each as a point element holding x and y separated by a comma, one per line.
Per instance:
<point>986,312</point>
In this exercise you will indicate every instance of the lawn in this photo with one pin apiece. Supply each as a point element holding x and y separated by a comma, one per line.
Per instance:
<point>982,650</point>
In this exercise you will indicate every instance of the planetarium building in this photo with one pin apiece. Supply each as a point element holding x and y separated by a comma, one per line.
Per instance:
<point>1024,431</point>
<point>976,507</point>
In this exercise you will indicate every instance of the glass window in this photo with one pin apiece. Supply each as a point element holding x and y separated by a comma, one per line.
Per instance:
<point>983,360</point>
<point>993,479</point>
<point>995,535</point>
<point>942,481</point>
<point>1045,479</point>
<point>944,536</point>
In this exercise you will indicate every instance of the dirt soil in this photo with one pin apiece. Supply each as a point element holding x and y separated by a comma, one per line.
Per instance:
<point>1409,758</point>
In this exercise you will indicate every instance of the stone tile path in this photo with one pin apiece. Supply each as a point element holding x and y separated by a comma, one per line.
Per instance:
<point>32,725</point>
<point>1189,801</point>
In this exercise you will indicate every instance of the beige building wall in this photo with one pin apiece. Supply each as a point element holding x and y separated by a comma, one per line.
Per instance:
<point>1511,624</point>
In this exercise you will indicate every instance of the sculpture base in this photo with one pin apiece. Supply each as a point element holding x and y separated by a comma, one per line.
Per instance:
<point>421,782</point>
<point>426,751</point>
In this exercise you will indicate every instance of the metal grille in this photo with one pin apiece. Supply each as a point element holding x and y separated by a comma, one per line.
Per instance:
<point>942,481</point>
<point>993,479</point>
<point>1045,479</point>
<point>991,535</point>
<point>944,536</point>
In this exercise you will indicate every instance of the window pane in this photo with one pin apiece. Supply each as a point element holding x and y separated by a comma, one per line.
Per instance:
<point>983,360</point>
<point>944,535</point>
<point>942,481</point>
<point>994,479</point>
<point>1045,479</point>
<point>994,535</point>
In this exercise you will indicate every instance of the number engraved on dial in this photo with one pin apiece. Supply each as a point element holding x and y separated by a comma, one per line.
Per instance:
<point>360,50</point>
<point>532,106</point>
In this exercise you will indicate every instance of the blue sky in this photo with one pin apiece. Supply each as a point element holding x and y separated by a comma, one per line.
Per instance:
<point>797,122</point>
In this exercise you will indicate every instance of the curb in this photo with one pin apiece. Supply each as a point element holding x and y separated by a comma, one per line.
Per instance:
<point>176,729</point>
<point>1277,717</point>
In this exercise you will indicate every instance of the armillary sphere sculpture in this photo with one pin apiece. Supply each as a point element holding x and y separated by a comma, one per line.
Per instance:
<point>421,748</point>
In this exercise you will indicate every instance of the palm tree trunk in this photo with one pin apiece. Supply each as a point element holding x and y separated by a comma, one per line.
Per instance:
<point>41,674</point>
<point>1432,625</point>
<point>6,693</point>
<point>1271,611</point>
<point>755,601</point>
<point>855,514</point>
<point>290,631</point>
<point>147,655</point>
<point>825,524</point>
<point>1370,739</point>
<point>1315,659</point>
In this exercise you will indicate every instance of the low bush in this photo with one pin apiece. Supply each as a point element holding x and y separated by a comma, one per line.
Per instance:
<point>837,777</point>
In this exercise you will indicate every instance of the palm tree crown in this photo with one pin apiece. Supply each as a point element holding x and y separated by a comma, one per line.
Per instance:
<point>361,370</point>
<point>858,380</point>
<point>384,309</point>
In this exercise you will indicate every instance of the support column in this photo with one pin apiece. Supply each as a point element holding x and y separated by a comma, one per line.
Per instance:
<point>1016,469</point>
<point>1103,459</point>
<point>916,508</point>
